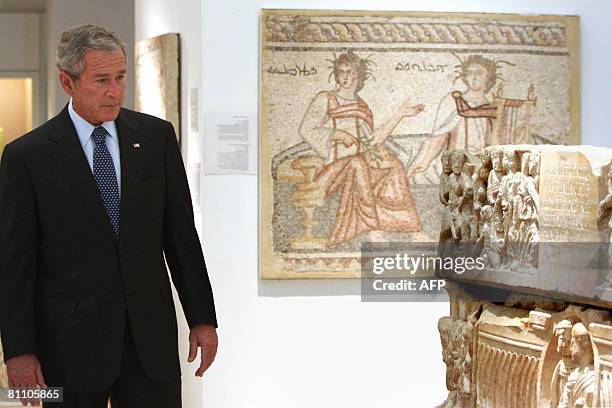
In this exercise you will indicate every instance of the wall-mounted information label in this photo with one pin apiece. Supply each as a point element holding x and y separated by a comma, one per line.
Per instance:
<point>195,180</point>
<point>229,143</point>
<point>194,109</point>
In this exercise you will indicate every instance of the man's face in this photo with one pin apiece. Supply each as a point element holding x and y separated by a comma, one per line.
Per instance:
<point>99,93</point>
<point>476,77</point>
<point>346,76</point>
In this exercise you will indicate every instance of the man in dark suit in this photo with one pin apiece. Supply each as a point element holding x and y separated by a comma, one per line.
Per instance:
<point>90,202</point>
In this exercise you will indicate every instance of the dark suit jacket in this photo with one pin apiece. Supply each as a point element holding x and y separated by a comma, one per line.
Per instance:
<point>66,281</point>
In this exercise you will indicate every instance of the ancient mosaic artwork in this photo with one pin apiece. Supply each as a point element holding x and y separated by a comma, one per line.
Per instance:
<point>358,107</point>
<point>158,78</point>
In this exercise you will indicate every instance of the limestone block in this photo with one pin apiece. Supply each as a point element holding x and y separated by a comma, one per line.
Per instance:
<point>509,357</point>
<point>537,215</point>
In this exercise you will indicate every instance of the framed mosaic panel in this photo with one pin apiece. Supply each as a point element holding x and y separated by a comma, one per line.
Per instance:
<point>356,109</point>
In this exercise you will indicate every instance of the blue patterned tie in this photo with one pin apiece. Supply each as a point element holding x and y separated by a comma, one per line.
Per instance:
<point>106,178</point>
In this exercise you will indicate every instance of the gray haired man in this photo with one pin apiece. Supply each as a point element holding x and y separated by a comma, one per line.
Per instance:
<point>93,204</point>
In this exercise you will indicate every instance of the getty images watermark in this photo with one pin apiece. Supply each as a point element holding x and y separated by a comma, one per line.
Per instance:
<point>401,271</point>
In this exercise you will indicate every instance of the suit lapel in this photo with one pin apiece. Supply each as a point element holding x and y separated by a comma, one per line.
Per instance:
<point>131,165</point>
<point>68,154</point>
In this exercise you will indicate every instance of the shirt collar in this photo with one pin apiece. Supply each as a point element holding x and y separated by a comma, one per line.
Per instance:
<point>84,129</point>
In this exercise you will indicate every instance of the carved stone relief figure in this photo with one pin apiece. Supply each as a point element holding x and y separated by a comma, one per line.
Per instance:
<point>512,200</point>
<point>523,219</point>
<point>469,223</point>
<point>444,195</point>
<point>456,193</point>
<point>531,355</point>
<point>543,351</point>
<point>480,186</point>
<point>511,169</point>
<point>513,247</point>
<point>492,237</point>
<point>606,204</point>
<point>605,224</point>
<point>495,176</point>
<point>580,387</point>
<point>453,357</point>
<point>508,190</point>
<point>534,173</point>
<point>563,334</point>
<point>457,336</point>
<point>3,377</point>
<point>529,232</point>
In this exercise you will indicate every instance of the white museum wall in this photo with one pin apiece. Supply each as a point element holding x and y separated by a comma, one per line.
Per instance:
<point>152,18</point>
<point>117,15</point>
<point>313,343</point>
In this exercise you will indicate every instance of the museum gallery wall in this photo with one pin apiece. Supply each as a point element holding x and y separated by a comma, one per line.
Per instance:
<point>356,108</point>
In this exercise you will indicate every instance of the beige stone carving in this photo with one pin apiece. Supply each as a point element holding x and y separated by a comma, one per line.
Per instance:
<point>457,336</point>
<point>3,378</point>
<point>504,184</point>
<point>579,390</point>
<point>480,188</point>
<point>157,78</point>
<point>600,336</point>
<point>540,217</point>
<point>445,190</point>
<point>563,335</point>
<point>495,176</point>
<point>528,234</point>
<point>514,202</point>
<point>604,222</point>
<point>492,236</point>
<point>502,357</point>
<point>461,196</point>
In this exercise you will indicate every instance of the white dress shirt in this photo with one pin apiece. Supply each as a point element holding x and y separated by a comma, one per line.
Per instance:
<point>84,130</point>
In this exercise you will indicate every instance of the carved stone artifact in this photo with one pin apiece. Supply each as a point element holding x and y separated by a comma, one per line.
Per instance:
<point>502,357</point>
<point>536,214</point>
<point>533,329</point>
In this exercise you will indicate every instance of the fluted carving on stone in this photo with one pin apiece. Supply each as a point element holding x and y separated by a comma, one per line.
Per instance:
<point>506,357</point>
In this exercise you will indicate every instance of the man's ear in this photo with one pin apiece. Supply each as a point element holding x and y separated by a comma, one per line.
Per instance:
<point>68,84</point>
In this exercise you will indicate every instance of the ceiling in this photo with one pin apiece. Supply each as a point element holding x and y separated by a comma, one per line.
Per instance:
<point>22,5</point>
